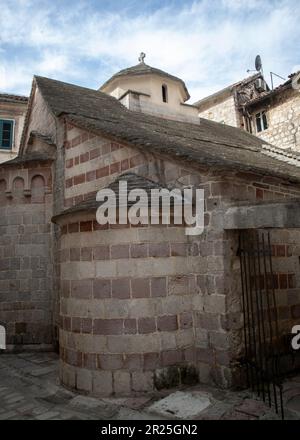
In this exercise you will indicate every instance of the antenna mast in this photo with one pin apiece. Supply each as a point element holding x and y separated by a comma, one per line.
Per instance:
<point>275,74</point>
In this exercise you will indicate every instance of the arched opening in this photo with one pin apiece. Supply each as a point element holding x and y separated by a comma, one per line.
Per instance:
<point>18,189</point>
<point>164,92</point>
<point>2,192</point>
<point>37,189</point>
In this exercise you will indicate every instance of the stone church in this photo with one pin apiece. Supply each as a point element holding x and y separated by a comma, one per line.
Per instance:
<point>137,308</point>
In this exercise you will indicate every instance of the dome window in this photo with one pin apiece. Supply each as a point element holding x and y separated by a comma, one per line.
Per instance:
<point>164,92</point>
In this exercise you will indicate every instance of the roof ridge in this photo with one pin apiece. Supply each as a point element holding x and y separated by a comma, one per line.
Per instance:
<point>206,144</point>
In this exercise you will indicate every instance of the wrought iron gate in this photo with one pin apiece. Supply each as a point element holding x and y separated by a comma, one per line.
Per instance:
<point>261,335</point>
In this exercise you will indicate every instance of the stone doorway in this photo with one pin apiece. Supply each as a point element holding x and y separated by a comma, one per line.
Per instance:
<point>260,317</point>
<point>268,356</point>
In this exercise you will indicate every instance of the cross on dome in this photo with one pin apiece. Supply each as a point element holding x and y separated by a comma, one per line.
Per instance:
<point>142,57</point>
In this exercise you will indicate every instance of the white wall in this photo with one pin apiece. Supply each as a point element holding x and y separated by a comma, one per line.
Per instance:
<point>153,104</point>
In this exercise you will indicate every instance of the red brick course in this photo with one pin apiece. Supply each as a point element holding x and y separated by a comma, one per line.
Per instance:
<point>121,288</point>
<point>128,326</point>
<point>211,327</point>
<point>135,362</point>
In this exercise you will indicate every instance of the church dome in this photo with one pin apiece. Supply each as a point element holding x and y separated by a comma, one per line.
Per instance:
<point>143,69</point>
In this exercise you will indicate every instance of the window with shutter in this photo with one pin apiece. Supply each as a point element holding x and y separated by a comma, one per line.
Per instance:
<point>6,134</point>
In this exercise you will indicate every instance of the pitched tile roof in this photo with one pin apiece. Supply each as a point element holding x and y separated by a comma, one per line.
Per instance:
<point>209,143</point>
<point>36,135</point>
<point>133,182</point>
<point>266,95</point>
<point>6,97</point>
<point>27,158</point>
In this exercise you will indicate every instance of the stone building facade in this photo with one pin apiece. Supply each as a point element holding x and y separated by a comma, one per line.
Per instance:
<point>12,115</point>
<point>282,109</point>
<point>224,106</point>
<point>134,308</point>
<point>222,111</point>
<point>26,253</point>
<point>272,115</point>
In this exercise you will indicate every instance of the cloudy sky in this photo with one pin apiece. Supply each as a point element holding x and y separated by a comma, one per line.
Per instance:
<point>208,43</point>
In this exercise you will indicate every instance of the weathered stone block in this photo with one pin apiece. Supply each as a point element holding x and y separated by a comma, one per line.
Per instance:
<point>102,383</point>
<point>108,326</point>
<point>110,361</point>
<point>84,380</point>
<point>122,382</point>
<point>158,287</point>
<point>167,323</point>
<point>142,381</point>
<point>140,288</point>
<point>146,325</point>
<point>121,288</point>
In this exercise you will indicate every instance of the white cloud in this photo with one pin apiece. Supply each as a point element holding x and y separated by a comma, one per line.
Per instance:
<point>53,62</point>
<point>209,44</point>
<point>242,4</point>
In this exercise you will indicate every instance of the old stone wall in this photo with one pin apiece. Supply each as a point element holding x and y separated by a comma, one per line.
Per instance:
<point>283,114</point>
<point>223,111</point>
<point>285,264</point>
<point>92,162</point>
<point>286,255</point>
<point>217,323</point>
<point>129,307</point>
<point>25,253</point>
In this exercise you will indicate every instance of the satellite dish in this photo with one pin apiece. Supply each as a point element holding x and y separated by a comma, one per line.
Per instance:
<point>258,63</point>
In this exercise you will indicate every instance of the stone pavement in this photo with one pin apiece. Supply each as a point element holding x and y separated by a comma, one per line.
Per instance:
<point>29,389</point>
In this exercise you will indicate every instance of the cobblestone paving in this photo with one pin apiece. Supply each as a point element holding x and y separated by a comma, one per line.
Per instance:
<point>29,389</point>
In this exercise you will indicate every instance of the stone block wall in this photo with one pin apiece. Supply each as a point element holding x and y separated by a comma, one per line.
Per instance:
<point>283,115</point>
<point>217,321</point>
<point>92,162</point>
<point>233,190</point>
<point>131,300</point>
<point>286,282</point>
<point>223,111</point>
<point>286,257</point>
<point>25,253</point>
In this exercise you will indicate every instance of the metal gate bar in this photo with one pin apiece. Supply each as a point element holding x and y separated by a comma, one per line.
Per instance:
<point>261,334</point>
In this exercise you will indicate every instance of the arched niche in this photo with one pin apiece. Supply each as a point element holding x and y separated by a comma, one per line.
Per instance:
<point>3,187</point>
<point>18,189</point>
<point>38,189</point>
